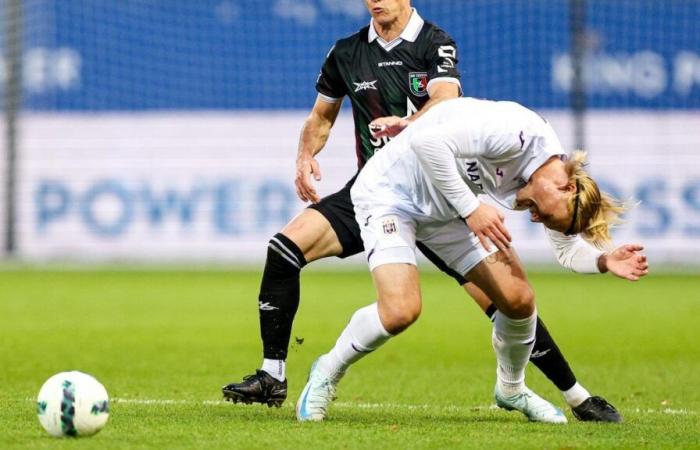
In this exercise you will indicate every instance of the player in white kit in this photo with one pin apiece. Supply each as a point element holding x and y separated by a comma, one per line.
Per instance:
<point>423,186</point>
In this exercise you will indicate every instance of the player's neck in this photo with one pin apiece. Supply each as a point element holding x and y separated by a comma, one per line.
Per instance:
<point>391,30</point>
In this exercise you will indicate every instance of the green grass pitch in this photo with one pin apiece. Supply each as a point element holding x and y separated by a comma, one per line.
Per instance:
<point>164,342</point>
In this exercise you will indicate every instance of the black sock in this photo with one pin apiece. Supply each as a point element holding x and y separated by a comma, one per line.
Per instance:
<point>547,356</point>
<point>279,295</point>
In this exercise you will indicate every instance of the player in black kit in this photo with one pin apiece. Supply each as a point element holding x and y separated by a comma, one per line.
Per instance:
<point>393,71</point>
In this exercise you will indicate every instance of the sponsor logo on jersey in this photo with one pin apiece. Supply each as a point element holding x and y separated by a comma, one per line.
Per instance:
<point>473,174</point>
<point>390,63</point>
<point>418,81</point>
<point>389,226</point>
<point>364,85</point>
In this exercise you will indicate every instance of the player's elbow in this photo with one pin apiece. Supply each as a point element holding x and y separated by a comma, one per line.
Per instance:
<point>318,122</point>
<point>422,144</point>
<point>416,142</point>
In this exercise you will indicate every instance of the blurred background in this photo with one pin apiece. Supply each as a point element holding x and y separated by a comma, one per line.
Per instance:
<point>165,130</point>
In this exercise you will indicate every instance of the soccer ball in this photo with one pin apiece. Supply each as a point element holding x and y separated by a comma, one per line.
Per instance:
<point>72,404</point>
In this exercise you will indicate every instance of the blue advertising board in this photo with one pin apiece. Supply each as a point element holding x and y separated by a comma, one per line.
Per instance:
<point>104,55</point>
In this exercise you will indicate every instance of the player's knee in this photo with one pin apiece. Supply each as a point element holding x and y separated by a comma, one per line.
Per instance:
<point>520,302</point>
<point>283,254</point>
<point>397,316</point>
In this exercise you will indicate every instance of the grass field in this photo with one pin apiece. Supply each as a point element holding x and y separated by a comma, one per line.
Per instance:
<point>163,343</point>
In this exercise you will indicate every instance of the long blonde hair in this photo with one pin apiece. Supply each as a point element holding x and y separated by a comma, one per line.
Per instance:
<point>596,212</point>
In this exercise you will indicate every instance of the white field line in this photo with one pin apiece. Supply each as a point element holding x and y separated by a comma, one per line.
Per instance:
<point>410,407</point>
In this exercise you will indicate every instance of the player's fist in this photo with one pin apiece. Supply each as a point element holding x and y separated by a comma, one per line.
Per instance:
<point>307,166</point>
<point>626,262</point>
<point>388,126</point>
<point>487,222</point>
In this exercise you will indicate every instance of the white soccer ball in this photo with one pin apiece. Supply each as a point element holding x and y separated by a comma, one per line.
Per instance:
<point>72,404</point>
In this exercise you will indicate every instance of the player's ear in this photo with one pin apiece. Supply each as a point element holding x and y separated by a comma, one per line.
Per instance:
<point>570,187</point>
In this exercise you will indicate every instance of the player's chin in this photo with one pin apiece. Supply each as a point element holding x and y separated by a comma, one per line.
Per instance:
<point>382,18</point>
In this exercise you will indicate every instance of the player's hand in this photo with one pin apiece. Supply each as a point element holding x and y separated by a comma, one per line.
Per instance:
<point>626,262</point>
<point>307,166</point>
<point>487,222</point>
<point>388,126</point>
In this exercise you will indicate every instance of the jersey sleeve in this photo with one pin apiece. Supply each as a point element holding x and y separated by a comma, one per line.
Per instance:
<point>330,83</point>
<point>437,149</point>
<point>574,253</point>
<point>442,59</point>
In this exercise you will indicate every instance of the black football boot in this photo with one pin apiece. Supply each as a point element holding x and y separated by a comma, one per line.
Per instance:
<point>260,387</point>
<point>596,409</point>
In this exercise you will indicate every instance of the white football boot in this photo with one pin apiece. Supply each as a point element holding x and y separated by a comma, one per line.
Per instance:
<point>317,395</point>
<point>535,408</point>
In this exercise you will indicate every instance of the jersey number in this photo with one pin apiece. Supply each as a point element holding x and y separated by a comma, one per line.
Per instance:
<point>449,54</point>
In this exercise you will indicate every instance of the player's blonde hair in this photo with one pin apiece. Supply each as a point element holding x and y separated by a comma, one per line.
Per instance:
<point>594,212</point>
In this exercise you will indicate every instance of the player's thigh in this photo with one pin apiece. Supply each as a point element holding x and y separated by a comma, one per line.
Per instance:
<point>474,292</point>
<point>338,210</point>
<point>398,295</point>
<point>451,246</point>
<point>313,234</point>
<point>440,264</point>
<point>501,277</point>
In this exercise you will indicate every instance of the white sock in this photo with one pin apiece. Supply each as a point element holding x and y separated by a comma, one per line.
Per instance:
<point>576,395</point>
<point>275,367</point>
<point>513,340</point>
<point>363,334</point>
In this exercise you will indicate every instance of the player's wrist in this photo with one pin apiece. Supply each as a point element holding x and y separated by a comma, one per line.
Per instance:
<point>304,156</point>
<point>468,211</point>
<point>603,262</point>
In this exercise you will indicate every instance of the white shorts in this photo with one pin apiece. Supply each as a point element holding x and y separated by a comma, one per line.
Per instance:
<point>390,234</point>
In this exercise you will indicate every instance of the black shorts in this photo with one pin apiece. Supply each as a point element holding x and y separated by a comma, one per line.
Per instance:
<point>338,210</point>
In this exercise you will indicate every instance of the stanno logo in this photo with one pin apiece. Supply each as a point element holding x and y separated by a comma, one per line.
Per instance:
<point>364,85</point>
<point>390,63</point>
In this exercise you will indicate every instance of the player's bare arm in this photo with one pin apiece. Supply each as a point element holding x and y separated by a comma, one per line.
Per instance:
<point>391,126</point>
<point>314,135</point>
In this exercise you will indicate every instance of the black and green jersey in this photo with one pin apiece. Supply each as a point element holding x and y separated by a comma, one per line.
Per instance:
<point>387,79</point>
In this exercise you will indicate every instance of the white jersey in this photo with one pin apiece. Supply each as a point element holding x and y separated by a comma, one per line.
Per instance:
<point>465,147</point>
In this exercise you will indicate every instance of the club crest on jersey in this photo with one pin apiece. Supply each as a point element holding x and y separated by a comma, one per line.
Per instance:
<point>364,85</point>
<point>389,226</point>
<point>418,81</point>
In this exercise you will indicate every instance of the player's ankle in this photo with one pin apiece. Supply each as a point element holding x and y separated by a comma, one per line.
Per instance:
<point>575,395</point>
<point>276,368</point>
